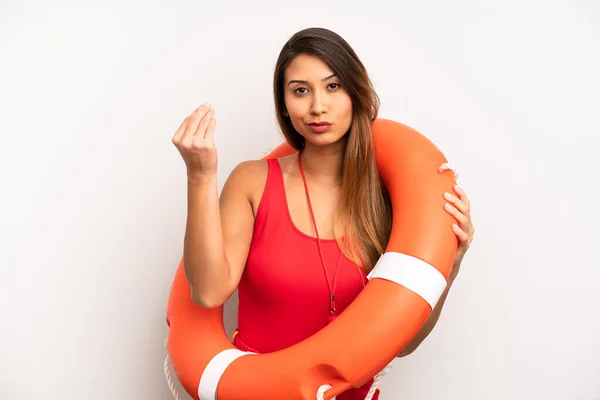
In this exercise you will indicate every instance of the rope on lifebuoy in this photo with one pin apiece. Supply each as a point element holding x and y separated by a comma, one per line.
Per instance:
<point>377,380</point>
<point>170,381</point>
<point>449,166</point>
<point>321,392</point>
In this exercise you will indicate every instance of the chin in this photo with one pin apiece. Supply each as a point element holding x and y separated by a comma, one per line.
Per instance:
<point>323,139</point>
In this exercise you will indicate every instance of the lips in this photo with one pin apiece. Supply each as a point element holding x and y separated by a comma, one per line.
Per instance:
<point>320,127</point>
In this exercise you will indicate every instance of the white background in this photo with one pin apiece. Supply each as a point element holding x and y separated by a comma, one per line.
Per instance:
<point>93,200</point>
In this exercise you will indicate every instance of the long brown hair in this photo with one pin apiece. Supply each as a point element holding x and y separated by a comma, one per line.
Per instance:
<point>364,214</point>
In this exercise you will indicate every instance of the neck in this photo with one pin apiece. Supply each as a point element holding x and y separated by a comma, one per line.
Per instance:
<point>324,163</point>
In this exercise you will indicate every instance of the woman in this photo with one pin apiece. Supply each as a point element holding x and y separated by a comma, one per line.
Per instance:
<point>299,234</point>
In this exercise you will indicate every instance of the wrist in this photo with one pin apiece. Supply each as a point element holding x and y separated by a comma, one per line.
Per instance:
<point>201,179</point>
<point>450,281</point>
<point>453,275</point>
<point>455,267</point>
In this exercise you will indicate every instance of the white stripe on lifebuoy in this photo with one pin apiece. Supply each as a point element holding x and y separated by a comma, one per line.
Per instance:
<point>412,273</point>
<point>207,389</point>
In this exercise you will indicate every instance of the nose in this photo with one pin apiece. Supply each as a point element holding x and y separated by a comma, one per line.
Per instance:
<point>318,105</point>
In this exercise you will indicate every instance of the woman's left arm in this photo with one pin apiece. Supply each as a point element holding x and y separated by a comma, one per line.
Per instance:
<point>460,208</point>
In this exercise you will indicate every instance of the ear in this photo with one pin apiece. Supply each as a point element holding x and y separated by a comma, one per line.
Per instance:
<point>285,113</point>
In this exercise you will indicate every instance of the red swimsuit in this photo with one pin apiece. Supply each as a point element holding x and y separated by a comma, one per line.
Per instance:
<point>284,295</point>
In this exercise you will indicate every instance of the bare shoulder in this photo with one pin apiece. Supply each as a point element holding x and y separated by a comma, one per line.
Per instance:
<point>249,169</point>
<point>250,176</point>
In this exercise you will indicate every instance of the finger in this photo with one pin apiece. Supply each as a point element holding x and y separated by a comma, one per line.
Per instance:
<point>179,132</point>
<point>210,133</point>
<point>203,140</point>
<point>463,196</point>
<point>460,217</point>
<point>456,202</point>
<point>192,126</point>
<point>462,235</point>
<point>201,131</point>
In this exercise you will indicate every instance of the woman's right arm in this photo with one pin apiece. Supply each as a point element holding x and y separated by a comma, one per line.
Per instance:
<point>218,235</point>
<point>218,231</point>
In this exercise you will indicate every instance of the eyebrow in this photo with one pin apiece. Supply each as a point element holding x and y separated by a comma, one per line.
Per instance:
<point>300,81</point>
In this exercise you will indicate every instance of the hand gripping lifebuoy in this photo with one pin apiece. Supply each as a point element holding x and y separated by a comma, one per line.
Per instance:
<point>403,288</point>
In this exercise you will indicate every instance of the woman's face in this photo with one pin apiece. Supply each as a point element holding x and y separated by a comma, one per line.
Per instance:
<point>319,107</point>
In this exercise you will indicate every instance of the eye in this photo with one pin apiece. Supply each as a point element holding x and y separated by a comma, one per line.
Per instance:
<point>300,90</point>
<point>334,85</point>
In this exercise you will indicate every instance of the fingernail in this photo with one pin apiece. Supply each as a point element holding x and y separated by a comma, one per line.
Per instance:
<point>448,196</point>
<point>448,207</point>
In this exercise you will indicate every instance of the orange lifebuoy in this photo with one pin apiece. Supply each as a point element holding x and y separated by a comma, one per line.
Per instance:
<point>403,288</point>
